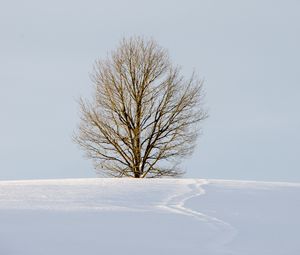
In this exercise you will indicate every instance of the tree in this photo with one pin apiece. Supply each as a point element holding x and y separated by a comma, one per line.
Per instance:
<point>144,115</point>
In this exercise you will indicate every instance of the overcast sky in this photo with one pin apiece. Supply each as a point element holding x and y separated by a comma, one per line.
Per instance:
<point>247,52</point>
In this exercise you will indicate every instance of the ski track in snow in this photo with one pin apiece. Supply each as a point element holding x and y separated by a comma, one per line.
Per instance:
<point>176,204</point>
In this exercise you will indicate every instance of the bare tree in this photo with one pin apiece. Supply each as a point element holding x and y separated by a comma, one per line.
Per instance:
<point>144,116</point>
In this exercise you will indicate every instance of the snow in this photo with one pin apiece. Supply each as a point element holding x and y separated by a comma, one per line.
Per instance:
<point>149,216</point>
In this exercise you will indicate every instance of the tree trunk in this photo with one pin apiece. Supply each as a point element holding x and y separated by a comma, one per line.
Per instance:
<point>137,175</point>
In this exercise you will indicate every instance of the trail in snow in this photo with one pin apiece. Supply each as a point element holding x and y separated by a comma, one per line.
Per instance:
<point>176,204</point>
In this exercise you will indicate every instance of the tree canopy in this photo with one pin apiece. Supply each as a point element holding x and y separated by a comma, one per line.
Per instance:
<point>144,116</point>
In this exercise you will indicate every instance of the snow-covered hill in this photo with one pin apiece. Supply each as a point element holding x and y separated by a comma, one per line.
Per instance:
<point>151,216</point>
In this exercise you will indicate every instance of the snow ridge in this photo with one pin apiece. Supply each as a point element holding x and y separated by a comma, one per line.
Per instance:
<point>219,217</point>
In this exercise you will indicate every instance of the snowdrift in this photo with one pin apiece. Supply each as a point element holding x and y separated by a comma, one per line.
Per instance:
<point>150,216</point>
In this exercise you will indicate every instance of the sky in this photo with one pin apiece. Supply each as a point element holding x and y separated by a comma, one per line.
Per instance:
<point>246,51</point>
